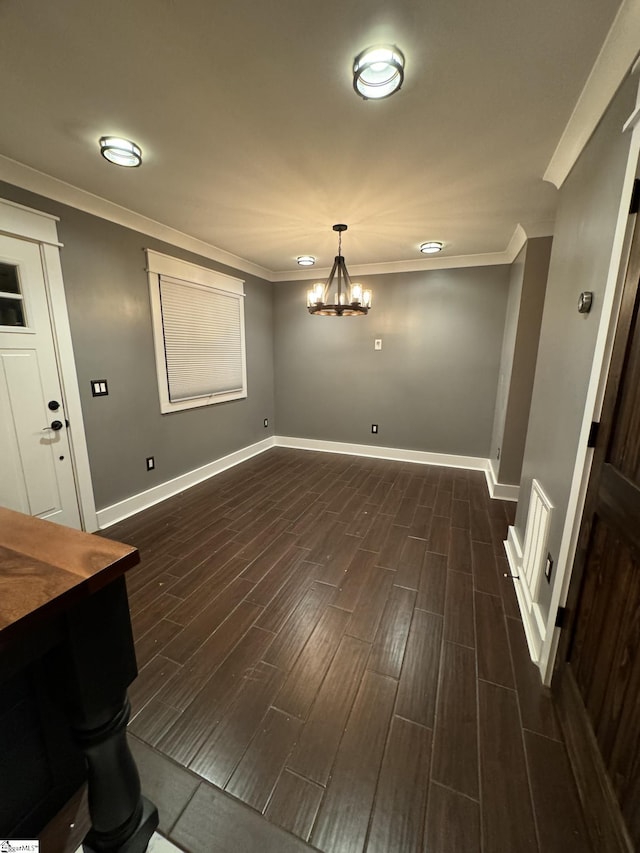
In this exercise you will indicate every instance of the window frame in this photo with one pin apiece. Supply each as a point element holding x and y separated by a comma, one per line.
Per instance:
<point>203,278</point>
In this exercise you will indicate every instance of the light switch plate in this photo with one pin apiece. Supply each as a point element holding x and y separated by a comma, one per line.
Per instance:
<point>99,388</point>
<point>377,344</point>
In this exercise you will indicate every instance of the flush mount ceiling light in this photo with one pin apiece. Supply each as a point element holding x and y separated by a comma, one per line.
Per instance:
<point>378,71</point>
<point>306,260</point>
<point>349,300</point>
<point>431,247</point>
<point>122,152</point>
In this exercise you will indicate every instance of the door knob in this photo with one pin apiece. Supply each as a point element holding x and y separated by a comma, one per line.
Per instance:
<point>55,425</point>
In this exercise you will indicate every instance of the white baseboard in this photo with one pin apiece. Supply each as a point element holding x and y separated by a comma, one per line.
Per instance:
<point>534,626</point>
<point>500,491</point>
<point>513,547</point>
<point>143,500</point>
<point>473,463</point>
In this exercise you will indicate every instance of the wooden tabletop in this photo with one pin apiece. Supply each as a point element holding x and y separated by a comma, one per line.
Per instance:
<point>46,568</point>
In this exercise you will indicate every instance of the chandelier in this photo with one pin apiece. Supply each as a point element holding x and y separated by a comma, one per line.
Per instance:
<point>349,300</point>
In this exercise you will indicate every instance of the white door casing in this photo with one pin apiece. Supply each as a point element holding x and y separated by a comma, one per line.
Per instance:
<point>43,471</point>
<point>37,475</point>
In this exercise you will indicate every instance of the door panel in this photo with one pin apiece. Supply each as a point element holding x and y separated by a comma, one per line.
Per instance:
<point>34,445</point>
<point>604,659</point>
<point>13,492</point>
<point>36,473</point>
<point>600,654</point>
<point>628,765</point>
<point>624,454</point>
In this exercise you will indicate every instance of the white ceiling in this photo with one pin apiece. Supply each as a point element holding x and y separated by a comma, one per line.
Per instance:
<point>254,140</point>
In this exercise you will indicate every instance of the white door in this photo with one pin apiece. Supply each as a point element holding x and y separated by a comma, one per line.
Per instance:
<point>36,472</point>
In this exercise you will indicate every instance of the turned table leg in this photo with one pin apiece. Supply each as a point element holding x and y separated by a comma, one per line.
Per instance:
<point>122,820</point>
<point>102,666</point>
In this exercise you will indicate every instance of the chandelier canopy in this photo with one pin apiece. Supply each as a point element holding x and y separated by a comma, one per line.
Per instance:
<point>349,299</point>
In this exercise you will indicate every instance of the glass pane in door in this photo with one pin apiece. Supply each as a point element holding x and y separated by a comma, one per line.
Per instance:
<point>9,282</point>
<point>11,312</point>
<point>11,304</point>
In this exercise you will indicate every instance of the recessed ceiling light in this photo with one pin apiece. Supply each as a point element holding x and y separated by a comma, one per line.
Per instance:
<point>306,260</point>
<point>122,152</point>
<point>378,71</point>
<point>431,247</point>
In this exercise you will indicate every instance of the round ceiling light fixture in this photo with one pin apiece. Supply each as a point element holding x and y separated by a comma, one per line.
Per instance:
<point>122,152</point>
<point>306,260</point>
<point>378,71</point>
<point>431,247</point>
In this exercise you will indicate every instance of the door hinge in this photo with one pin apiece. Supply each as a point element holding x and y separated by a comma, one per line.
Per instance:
<point>634,207</point>
<point>561,617</point>
<point>593,434</point>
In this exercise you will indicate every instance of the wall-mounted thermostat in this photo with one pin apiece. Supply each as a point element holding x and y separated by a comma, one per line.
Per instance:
<point>585,301</point>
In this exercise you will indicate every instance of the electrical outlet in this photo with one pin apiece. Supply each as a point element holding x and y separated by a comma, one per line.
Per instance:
<point>151,463</point>
<point>548,568</point>
<point>374,429</point>
<point>266,422</point>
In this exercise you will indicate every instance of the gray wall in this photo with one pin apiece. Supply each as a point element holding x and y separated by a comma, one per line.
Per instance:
<point>107,294</point>
<point>527,289</point>
<point>516,279</point>
<point>431,388</point>
<point>584,232</point>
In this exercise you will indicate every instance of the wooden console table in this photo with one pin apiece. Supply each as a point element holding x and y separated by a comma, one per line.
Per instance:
<point>66,660</point>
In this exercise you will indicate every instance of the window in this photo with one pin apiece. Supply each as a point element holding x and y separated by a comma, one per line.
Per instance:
<point>198,330</point>
<point>11,301</point>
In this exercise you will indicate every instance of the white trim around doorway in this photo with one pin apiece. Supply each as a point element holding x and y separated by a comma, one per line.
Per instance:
<point>37,227</point>
<point>593,407</point>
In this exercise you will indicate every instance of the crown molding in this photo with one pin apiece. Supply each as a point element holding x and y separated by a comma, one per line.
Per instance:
<point>521,235</point>
<point>439,262</point>
<point>45,185</point>
<point>516,243</point>
<point>419,265</point>
<point>539,229</point>
<point>31,179</point>
<point>616,59</point>
<point>633,119</point>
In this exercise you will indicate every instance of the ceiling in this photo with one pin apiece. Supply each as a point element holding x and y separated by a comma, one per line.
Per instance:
<point>254,140</point>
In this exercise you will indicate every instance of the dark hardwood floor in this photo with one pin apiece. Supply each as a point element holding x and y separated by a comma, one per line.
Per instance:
<point>331,641</point>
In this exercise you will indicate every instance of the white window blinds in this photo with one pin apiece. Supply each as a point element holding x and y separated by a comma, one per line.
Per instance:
<point>202,340</point>
<point>198,333</point>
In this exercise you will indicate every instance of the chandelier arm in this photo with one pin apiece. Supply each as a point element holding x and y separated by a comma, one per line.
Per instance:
<point>329,282</point>
<point>347,278</point>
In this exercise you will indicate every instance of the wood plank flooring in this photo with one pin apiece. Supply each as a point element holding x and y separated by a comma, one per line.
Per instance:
<point>331,640</point>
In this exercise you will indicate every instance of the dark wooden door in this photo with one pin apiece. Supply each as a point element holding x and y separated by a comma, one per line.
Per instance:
<point>598,675</point>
